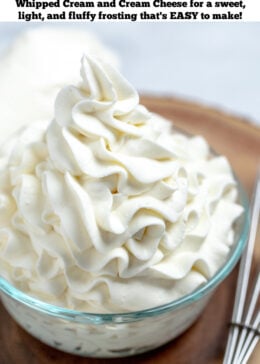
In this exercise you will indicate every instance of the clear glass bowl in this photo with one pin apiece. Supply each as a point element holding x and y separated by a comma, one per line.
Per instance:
<point>122,334</point>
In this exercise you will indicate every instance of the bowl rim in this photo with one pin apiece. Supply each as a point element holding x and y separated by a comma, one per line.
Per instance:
<point>101,318</point>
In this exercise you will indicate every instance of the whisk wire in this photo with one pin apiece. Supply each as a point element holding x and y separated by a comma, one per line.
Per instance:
<point>249,328</point>
<point>244,333</point>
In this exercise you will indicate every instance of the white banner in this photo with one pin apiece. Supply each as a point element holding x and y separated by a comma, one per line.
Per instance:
<point>129,10</point>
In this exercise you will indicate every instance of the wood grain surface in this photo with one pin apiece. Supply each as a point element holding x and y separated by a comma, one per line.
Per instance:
<point>205,341</point>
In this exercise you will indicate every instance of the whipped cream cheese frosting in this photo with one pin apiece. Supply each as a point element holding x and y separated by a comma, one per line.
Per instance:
<point>106,208</point>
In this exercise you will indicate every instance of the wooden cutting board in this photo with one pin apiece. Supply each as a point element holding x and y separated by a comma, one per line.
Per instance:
<point>205,341</point>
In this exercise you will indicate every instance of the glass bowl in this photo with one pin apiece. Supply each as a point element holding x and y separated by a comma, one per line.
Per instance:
<point>122,334</point>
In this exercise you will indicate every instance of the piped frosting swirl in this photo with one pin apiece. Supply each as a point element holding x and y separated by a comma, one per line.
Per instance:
<point>106,208</point>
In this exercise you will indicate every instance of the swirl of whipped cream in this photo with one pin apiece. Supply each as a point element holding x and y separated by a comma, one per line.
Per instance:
<point>106,209</point>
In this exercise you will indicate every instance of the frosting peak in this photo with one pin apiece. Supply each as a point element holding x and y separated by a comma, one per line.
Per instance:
<point>104,83</point>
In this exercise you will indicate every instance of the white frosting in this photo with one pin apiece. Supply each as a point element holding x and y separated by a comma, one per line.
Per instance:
<point>106,209</point>
<point>36,66</point>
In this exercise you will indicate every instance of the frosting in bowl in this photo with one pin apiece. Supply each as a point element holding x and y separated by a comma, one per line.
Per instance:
<point>106,208</point>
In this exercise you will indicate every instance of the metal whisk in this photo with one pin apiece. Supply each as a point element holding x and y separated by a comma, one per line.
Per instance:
<point>244,331</point>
